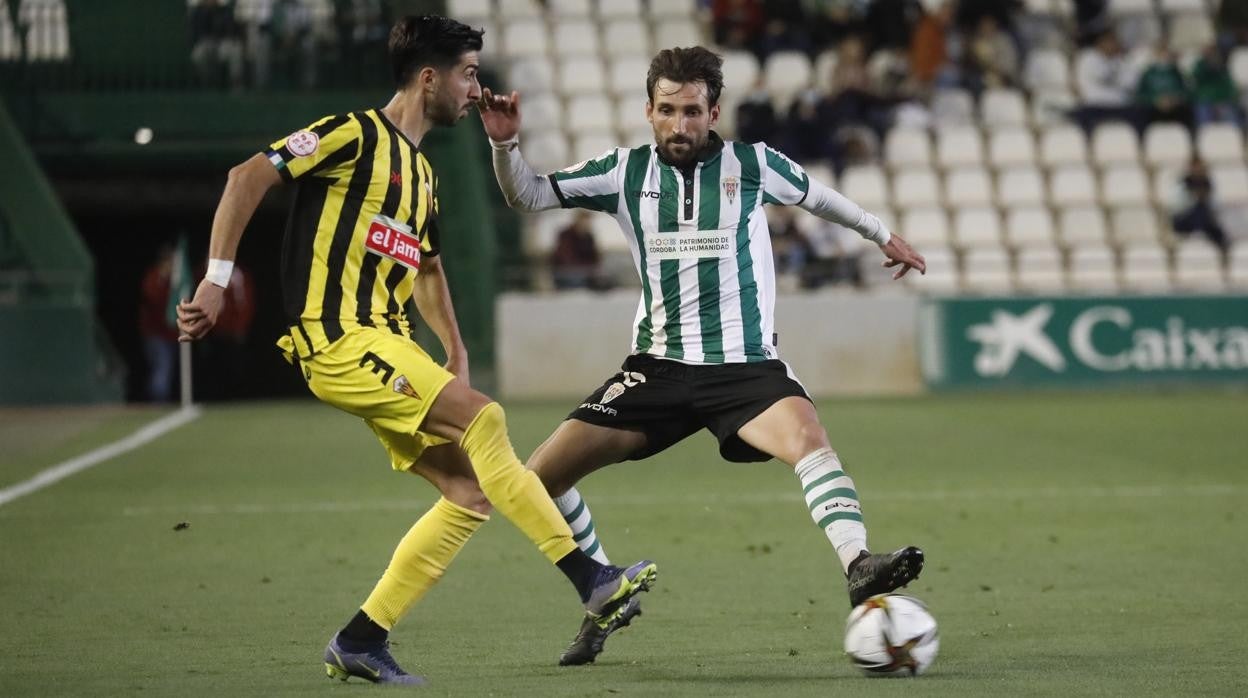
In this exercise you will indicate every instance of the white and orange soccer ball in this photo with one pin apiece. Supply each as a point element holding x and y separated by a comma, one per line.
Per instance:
<point>891,635</point>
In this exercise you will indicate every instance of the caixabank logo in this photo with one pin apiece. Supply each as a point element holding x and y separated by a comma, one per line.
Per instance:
<point>1074,340</point>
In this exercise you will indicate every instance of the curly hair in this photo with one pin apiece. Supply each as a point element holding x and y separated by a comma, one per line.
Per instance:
<point>682,65</point>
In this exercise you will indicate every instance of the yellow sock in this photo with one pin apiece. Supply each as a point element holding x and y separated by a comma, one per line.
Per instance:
<point>514,490</point>
<point>419,561</point>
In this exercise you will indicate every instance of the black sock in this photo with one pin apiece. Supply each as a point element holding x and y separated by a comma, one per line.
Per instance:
<point>361,633</point>
<point>581,570</point>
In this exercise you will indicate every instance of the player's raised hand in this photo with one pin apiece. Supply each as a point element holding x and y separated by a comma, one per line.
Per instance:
<point>500,114</point>
<point>198,316</point>
<point>900,253</point>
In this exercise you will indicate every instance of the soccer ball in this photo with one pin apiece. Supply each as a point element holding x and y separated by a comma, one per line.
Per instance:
<point>891,635</point>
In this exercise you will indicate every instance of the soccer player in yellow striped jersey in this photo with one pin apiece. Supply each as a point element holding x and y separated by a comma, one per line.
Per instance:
<point>361,241</point>
<point>705,350</point>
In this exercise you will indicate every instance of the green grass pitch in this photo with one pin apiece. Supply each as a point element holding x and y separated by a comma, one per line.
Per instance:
<point>1079,544</point>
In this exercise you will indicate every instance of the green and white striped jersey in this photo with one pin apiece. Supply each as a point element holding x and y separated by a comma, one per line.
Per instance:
<point>700,243</point>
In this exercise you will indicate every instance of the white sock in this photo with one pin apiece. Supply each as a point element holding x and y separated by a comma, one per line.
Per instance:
<point>576,513</point>
<point>833,503</point>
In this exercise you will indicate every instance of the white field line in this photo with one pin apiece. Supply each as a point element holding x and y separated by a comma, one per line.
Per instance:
<point>143,436</point>
<point>350,506</point>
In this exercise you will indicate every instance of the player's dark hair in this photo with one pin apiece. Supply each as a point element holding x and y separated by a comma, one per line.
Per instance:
<point>693,64</point>
<point>428,41</point>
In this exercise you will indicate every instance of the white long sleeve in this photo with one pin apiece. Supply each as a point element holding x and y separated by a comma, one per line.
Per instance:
<point>524,189</point>
<point>829,204</point>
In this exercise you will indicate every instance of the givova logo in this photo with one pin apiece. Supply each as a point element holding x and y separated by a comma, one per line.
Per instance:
<point>1106,338</point>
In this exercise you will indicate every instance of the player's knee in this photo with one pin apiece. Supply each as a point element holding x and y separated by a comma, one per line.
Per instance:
<point>466,493</point>
<point>807,439</point>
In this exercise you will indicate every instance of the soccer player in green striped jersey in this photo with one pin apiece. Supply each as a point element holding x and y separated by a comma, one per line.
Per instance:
<point>704,351</point>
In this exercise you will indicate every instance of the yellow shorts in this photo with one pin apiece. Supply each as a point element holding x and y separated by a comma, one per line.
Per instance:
<point>387,380</point>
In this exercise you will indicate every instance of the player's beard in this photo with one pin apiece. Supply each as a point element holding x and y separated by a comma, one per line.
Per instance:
<point>443,110</point>
<point>689,154</point>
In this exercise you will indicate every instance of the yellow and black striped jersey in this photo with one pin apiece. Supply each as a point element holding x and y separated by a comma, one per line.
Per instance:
<point>364,214</point>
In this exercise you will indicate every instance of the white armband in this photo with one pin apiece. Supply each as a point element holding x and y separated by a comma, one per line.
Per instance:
<point>219,271</point>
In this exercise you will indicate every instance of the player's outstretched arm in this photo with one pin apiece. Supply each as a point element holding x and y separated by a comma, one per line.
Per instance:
<point>244,189</point>
<point>524,189</point>
<point>829,204</point>
<point>433,300</point>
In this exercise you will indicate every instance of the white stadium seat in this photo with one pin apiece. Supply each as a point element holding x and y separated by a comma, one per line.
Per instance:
<point>987,270</point>
<point>1238,65</point>
<point>957,146</point>
<point>674,33</point>
<point>525,37</point>
<point>576,37</point>
<point>460,9</point>
<point>976,227</point>
<point>591,145</point>
<point>1021,186</point>
<point>1167,144</point>
<point>1029,227</point>
<point>865,185</point>
<point>627,37</point>
<point>542,112</point>
<point>630,112</point>
<point>1145,269</point>
<point>968,186</point>
<point>1190,32</point>
<point>581,75</point>
<point>589,113</point>
<point>1072,185</point>
<point>516,9</point>
<point>627,74</point>
<point>542,229</point>
<point>620,9</point>
<point>1135,226</point>
<point>1237,274</point>
<point>1220,143</point>
<point>1093,269</point>
<point>916,187</point>
<point>1040,270</point>
<point>1082,226</point>
<point>907,147</point>
<point>568,8</point>
<point>1051,107</point>
<point>1115,143</point>
<point>942,272</point>
<point>952,108</point>
<point>1011,147</point>
<point>1198,266</point>
<point>825,63</point>
<point>1230,184</point>
<point>1002,108</point>
<point>925,228</point>
<point>1063,145</point>
<point>741,71</point>
<point>547,151</point>
<point>1047,69</point>
<point>1124,185</point>
<point>532,75</point>
<point>786,74</point>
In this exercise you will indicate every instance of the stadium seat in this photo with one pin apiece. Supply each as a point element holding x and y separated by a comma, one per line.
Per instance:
<point>1237,274</point>
<point>627,75</point>
<point>1167,144</point>
<point>1002,108</point>
<point>865,185</point>
<point>916,187</point>
<point>1115,143</point>
<point>525,37</point>
<point>509,10</point>
<point>1029,226</point>
<point>1220,143</point>
<point>1122,8</point>
<point>608,235</point>
<point>1092,269</point>
<point>672,33</point>
<point>907,147</point>
<point>825,63</point>
<point>1011,147</point>
<point>640,135</point>
<point>1040,270</point>
<point>1238,65</point>
<point>531,75</point>
<point>786,73</point>
<point>957,146</point>
<point>976,227</point>
<point>952,108</point>
<point>591,145</point>
<point>628,38</point>
<point>547,151</point>
<point>1198,266</point>
<point>1190,32</point>
<point>1072,185</point>
<point>1051,107</point>
<point>1021,186</point>
<point>819,172</point>
<point>580,75</point>
<point>1047,69</point>
<point>669,9</point>
<point>10,44</point>
<point>542,112</point>
<point>568,8</point>
<point>542,229</point>
<point>1124,185</point>
<point>630,111</point>
<point>1082,226</point>
<point>968,186</point>
<point>621,9</point>
<point>925,228</point>
<point>575,37</point>
<point>1230,184</point>
<point>942,272</point>
<point>1063,145</point>
<point>741,71</point>
<point>1135,226</point>
<point>462,9</point>
<point>1145,269</point>
<point>589,113</point>
<point>987,270</point>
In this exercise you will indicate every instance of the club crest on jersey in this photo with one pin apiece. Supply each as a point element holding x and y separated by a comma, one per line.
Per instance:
<point>404,386</point>
<point>301,143</point>
<point>614,391</point>
<point>730,185</point>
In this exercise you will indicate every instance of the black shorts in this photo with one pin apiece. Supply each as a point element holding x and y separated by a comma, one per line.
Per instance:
<point>667,401</point>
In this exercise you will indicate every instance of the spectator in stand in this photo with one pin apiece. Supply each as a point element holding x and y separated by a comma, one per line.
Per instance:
<point>929,49</point>
<point>807,133</point>
<point>991,58</point>
<point>831,20</point>
<point>295,34</point>
<point>1162,92</point>
<point>575,260</point>
<point>1232,24</point>
<point>756,117</point>
<point>785,28</point>
<point>160,337</point>
<point>216,42</point>
<point>1091,20</point>
<point>1216,96</point>
<point>363,27</point>
<point>889,23</point>
<point>1193,210</point>
<point>738,24</point>
<point>1105,84</point>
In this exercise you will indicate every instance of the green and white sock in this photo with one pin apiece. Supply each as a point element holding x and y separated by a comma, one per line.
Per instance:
<point>576,513</point>
<point>833,503</point>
